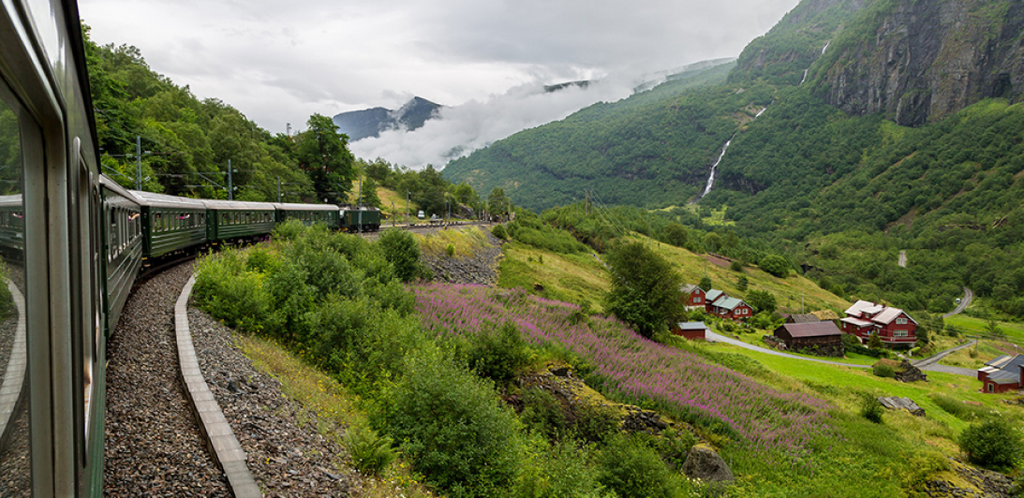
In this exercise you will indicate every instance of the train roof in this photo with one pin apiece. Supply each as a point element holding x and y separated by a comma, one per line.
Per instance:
<point>291,206</point>
<point>11,200</point>
<point>219,205</point>
<point>109,184</point>
<point>152,199</point>
<point>359,208</point>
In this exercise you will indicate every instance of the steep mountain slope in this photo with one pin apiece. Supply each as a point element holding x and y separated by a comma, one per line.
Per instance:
<point>653,148</point>
<point>370,122</point>
<point>919,62</point>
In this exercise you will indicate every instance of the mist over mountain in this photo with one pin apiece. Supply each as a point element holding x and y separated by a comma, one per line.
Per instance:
<point>371,122</point>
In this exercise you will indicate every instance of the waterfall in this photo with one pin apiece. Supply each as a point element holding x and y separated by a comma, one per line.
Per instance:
<point>805,77</point>
<point>711,179</point>
<point>823,49</point>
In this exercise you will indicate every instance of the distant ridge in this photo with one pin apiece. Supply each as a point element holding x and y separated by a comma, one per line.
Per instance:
<point>371,122</point>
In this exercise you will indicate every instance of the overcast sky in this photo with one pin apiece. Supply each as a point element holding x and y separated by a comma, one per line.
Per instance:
<point>279,62</point>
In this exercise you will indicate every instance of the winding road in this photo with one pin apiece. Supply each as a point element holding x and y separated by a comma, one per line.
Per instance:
<point>968,297</point>
<point>928,364</point>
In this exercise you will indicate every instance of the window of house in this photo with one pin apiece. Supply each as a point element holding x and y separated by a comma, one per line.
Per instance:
<point>901,321</point>
<point>696,299</point>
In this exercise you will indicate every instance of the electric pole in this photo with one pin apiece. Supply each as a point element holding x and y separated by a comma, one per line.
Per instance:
<point>279,189</point>
<point>231,188</point>
<point>138,162</point>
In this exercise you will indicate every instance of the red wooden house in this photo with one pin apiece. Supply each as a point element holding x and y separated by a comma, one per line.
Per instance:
<point>1003,374</point>
<point>728,307</point>
<point>894,326</point>
<point>691,330</point>
<point>693,296</point>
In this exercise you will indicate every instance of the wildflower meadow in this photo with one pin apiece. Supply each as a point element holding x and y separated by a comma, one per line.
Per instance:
<point>635,368</point>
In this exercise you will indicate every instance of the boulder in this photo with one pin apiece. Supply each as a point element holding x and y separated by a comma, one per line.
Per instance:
<point>704,463</point>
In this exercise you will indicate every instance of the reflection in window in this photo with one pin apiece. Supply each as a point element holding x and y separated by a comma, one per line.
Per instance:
<point>14,420</point>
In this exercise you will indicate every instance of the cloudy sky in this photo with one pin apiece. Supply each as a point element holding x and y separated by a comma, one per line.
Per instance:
<point>278,62</point>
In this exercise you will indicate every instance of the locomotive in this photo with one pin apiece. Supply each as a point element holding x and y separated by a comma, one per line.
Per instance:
<point>73,242</point>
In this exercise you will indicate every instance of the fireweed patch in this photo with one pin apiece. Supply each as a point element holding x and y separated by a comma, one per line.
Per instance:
<point>633,367</point>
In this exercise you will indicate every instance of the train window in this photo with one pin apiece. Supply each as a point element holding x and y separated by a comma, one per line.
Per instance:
<point>15,423</point>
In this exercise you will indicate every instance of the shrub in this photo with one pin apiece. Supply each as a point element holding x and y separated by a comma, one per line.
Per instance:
<point>776,265</point>
<point>674,446</point>
<point>871,409</point>
<point>499,354</point>
<point>543,414</point>
<point>883,370</point>
<point>736,266</point>
<point>289,230</point>
<point>993,443</point>
<point>595,423</point>
<point>453,426</point>
<point>370,452</point>
<point>558,471</point>
<point>229,292</point>
<point>450,250</point>
<point>499,232</point>
<point>400,249</point>
<point>629,467</point>
<point>742,283</point>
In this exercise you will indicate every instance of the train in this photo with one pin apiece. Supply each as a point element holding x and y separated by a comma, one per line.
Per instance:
<point>73,242</point>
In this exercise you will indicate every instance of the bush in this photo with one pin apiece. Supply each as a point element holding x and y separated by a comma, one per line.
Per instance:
<point>400,249</point>
<point>629,467</point>
<point>736,266</point>
<point>450,250</point>
<point>993,443</point>
<point>776,265</point>
<point>871,409</point>
<point>883,370</point>
<point>595,423</point>
<point>542,414</point>
<point>498,355</point>
<point>229,292</point>
<point>453,426</point>
<point>558,471</point>
<point>742,283</point>
<point>499,232</point>
<point>370,453</point>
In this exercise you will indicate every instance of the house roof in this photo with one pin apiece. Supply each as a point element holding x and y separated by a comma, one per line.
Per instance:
<point>856,322</point>
<point>713,295</point>
<point>890,314</point>
<point>859,307</point>
<point>804,318</point>
<point>816,329</point>
<point>692,326</point>
<point>687,289</point>
<point>729,303</point>
<point>1004,369</point>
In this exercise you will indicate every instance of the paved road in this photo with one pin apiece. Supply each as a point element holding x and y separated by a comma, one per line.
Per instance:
<point>929,364</point>
<point>968,296</point>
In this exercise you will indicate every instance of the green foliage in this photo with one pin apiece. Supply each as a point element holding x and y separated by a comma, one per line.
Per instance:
<point>543,414</point>
<point>229,291</point>
<point>871,409</point>
<point>705,283</point>
<point>761,301</point>
<point>497,202</point>
<point>499,232</point>
<point>450,250</point>
<point>370,452</point>
<point>874,341</point>
<point>961,410</point>
<point>776,265</point>
<point>645,289</point>
<point>498,355</point>
<point>595,423</point>
<point>529,229</point>
<point>675,234</point>
<point>993,443</point>
<point>368,191</point>
<point>742,283</point>
<point>454,427</point>
<point>399,247</point>
<point>323,153</point>
<point>883,370</point>
<point>559,470</point>
<point>736,266</point>
<point>629,467</point>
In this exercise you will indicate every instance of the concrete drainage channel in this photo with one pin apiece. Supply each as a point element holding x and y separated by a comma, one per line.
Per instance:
<point>220,439</point>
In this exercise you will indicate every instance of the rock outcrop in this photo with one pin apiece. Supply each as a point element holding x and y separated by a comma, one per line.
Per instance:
<point>918,62</point>
<point>704,463</point>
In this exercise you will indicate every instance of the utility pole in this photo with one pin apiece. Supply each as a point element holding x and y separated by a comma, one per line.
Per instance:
<point>231,188</point>
<point>279,188</point>
<point>360,222</point>
<point>406,207</point>
<point>138,162</point>
<point>393,220</point>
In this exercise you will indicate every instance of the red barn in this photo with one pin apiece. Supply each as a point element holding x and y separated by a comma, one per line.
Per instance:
<point>691,330</point>
<point>1003,374</point>
<point>693,296</point>
<point>894,326</point>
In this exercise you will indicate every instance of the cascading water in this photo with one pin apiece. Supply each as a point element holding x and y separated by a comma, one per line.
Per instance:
<point>805,76</point>
<point>711,179</point>
<point>823,49</point>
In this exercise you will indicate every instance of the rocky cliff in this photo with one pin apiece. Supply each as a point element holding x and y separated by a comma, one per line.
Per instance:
<point>919,61</point>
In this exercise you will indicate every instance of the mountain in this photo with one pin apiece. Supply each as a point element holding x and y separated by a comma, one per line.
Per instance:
<point>853,129</point>
<point>370,122</point>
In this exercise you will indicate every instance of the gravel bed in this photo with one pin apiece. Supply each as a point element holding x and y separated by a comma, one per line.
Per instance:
<point>153,443</point>
<point>480,268</point>
<point>286,454</point>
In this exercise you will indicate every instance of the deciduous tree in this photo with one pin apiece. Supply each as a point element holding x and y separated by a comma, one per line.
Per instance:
<point>645,288</point>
